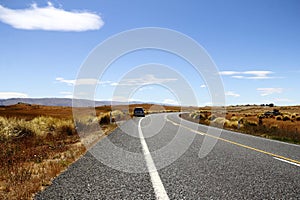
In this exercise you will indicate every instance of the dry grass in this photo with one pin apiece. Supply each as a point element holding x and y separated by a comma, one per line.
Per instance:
<point>33,152</point>
<point>284,127</point>
<point>34,148</point>
<point>38,142</point>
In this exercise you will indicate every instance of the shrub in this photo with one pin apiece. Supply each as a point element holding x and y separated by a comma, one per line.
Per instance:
<point>274,127</point>
<point>105,119</point>
<point>212,117</point>
<point>199,116</point>
<point>251,123</point>
<point>67,129</point>
<point>286,118</point>
<point>234,118</point>
<point>278,117</point>
<point>220,122</point>
<point>118,115</point>
<point>233,124</point>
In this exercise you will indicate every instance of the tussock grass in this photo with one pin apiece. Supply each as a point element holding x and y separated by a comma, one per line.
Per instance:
<point>277,127</point>
<point>220,122</point>
<point>286,118</point>
<point>25,148</point>
<point>234,118</point>
<point>279,117</point>
<point>34,151</point>
<point>212,117</point>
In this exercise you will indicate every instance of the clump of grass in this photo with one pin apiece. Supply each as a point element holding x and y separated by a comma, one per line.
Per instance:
<point>279,118</point>
<point>212,117</point>
<point>104,119</point>
<point>25,145</point>
<point>220,122</point>
<point>286,118</point>
<point>234,118</point>
<point>198,115</point>
<point>274,127</point>
<point>118,115</point>
<point>250,123</point>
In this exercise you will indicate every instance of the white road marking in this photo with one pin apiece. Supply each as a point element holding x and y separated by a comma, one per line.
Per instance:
<point>278,157</point>
<point>157,184</point>
<point>287,161</point>
<point>190,129</point>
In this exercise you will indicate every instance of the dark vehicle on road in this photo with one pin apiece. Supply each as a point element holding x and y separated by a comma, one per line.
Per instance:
<point>139,112</point>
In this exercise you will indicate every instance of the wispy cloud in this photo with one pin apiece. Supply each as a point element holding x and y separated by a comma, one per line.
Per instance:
<point>283,100</point>
<point>8,95</point>
<point>146,88</point>
<point>170,102</point>
<point>62,80</point>
<point>67,94</point>
<point>144,80</point>
<point>86,81</point>
<point>232,94</point>
<point>254,75</point>
<point>50,18</point>
<point>269,91</point>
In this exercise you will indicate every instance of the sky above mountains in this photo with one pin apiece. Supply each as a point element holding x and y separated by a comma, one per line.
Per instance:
<point>254,44</point>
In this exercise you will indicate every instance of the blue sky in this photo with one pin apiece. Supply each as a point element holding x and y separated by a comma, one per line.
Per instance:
<point>255,45</point>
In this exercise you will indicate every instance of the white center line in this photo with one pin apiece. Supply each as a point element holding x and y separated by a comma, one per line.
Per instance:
<point>158,186</point>
<point>287,161</point>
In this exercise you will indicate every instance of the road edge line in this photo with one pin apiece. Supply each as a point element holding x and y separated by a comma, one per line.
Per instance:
<point>296,162</point>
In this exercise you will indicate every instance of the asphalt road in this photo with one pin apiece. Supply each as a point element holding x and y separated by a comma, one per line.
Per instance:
<point>239,166</point>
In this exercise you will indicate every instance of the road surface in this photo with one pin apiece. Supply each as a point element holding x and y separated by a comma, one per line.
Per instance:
<point>238,167</point>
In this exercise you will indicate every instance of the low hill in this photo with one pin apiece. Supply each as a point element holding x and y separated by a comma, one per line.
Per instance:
<point>54,102</point>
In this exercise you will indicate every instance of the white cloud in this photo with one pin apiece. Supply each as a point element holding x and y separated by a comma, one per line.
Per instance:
<point>170,101</point>
<point>146,88</point>
<point>50,18</point>
<point>83,81</point>
<point>203,86</point>
<point>62,80</point>
<point>254,75</point>
<point>228,73</point>
<point>145,80</point>
<point>232,94</point>
<point>8,95</point>
<point>86,81</point>
<point>67,94</point>
<point>283,100</point>
<point>269,91</point>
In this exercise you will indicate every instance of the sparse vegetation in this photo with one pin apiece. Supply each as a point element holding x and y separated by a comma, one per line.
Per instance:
<point>282,123</point>
<point>286,118</point>
<point>279,117</point>
<point>35,148</point>
<point>38,142</point>
<point>34,151</point>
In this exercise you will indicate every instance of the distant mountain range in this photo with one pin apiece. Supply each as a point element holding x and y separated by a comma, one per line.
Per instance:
<point>61,102</point>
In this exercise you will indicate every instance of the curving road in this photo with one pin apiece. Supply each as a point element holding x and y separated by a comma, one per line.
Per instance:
<point>156,157</point>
